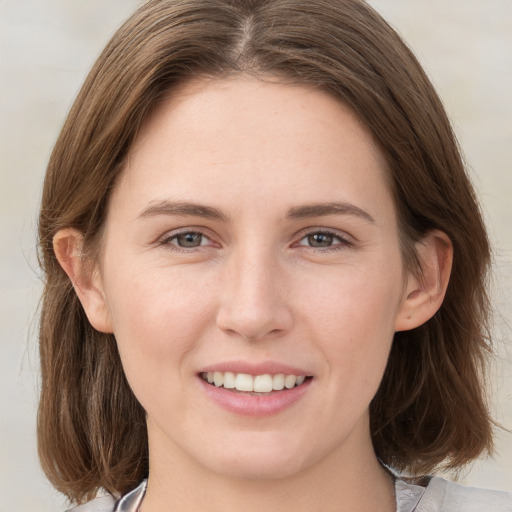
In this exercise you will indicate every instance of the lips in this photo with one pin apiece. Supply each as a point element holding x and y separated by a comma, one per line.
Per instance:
<point>244,382</point>
<point>254,389</point>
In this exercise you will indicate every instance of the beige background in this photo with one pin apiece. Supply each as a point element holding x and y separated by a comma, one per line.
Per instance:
<point>46,48</point>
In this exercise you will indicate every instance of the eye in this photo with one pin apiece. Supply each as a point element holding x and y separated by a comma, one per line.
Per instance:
<point>187,240</point>
<point>323,240</point>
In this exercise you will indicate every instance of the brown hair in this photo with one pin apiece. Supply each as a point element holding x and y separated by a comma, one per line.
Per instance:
<point>430,408</point>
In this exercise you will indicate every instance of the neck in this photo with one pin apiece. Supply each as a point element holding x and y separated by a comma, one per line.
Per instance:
<point>348,479</point>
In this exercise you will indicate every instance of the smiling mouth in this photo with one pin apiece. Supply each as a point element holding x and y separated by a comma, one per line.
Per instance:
<point>245,383</point>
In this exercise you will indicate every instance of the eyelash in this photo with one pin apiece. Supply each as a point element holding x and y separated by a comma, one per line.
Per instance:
<point>167,240</point>
<point>343,242</point>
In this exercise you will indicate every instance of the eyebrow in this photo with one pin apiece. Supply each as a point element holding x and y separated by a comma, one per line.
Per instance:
<point>300,212</point>
<point>325,209</point>
<point>181,208</point>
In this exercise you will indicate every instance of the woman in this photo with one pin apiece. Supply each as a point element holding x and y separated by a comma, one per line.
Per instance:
<point>272,266</point>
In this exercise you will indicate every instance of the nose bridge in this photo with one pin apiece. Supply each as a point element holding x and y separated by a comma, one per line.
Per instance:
<point>253,301</point>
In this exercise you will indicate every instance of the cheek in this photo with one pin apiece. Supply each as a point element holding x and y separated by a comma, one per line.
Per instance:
<point>156,327</point>
<point>157,318</point>
<point>352,318</point>
<point>354,299</point>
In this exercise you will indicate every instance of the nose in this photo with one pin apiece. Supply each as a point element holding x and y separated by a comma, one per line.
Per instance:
<point>253,302</point>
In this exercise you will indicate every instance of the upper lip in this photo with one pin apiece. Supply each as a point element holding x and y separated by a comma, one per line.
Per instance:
<point>253,368</point>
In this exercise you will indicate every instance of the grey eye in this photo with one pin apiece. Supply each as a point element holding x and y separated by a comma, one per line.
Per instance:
<point>320,239</point>
<point>324,240</point>
<point>189,239</point>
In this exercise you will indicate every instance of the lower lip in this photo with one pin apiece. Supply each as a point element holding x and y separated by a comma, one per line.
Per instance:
<point>246,404</point>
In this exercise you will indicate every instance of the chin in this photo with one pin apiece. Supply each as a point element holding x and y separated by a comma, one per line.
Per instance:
<point>262,459</point>
<point>246,468</point>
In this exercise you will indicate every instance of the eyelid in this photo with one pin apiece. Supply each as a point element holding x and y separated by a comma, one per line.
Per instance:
<point>347,240</point>
<point>165,239</point>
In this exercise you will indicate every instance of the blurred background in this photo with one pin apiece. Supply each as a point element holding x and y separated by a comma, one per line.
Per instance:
<point>46,49</point>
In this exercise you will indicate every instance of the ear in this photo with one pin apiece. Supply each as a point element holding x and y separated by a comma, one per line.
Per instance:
<point>424,294</point>
<point>86,279</point>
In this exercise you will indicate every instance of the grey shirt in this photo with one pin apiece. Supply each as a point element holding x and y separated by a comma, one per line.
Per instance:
<point>439,495</point>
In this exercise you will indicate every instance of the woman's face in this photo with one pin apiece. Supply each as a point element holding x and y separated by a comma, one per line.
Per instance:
<point>252,236</point>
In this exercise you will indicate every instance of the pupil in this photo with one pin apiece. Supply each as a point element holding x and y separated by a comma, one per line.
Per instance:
<point>189,240</point>
<point>320,240</point>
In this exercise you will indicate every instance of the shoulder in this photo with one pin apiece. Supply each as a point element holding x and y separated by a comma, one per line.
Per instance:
<point>451,496</point>
<point>440,495</point>
<point>128,503</point>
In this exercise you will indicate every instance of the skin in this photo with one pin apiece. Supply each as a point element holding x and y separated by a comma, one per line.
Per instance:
<point>256,289</point>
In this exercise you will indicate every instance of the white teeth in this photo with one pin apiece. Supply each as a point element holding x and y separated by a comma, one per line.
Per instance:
<point>218,379</point>
<point>244,382</point>
<point>263,383</point>
<point>289,381</point>
<point>229,380</point>
<point>278,382</point>
<point>258,384</point>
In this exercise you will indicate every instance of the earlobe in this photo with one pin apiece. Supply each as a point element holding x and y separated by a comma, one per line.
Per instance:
<point>86,279</point>
<point>424,294</point>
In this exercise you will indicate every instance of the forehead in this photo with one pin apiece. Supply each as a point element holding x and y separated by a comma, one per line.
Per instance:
<point>243,108</point>
<point>241,136</point>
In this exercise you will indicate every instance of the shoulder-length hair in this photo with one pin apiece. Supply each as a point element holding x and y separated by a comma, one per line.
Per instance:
<point>430,409</point>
